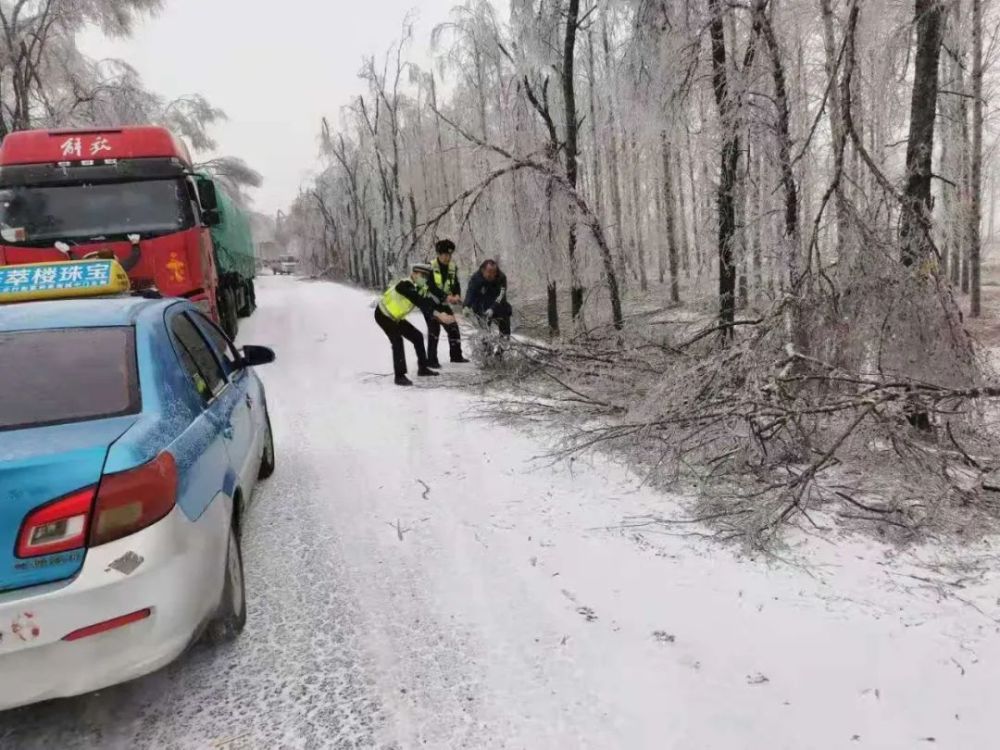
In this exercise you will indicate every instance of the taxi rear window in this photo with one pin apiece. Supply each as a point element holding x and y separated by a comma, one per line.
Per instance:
<point>67,375</point>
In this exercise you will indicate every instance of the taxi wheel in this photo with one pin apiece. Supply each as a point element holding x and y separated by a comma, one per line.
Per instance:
<point>232,614</point>
<point>267,460</point>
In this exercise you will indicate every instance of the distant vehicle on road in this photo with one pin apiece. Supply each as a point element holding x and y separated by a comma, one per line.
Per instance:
<point>287,265</point>
<point>132,194</point>
<point>132,435</point>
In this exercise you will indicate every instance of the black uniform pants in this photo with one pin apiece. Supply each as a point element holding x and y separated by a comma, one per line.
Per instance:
<point>397,331</point>
<point>503,323</point>
<point>502,312</point>
<point>434,327</point>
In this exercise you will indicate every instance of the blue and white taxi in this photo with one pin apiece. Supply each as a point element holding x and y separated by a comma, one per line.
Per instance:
<point>132,434</point>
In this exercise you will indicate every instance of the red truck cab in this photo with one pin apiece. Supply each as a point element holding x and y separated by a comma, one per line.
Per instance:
<point>128,192</point>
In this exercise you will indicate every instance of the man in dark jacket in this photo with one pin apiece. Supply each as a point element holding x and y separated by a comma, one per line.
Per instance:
<point>486,295</point>
<point>446,290</point>
<point>399,301</point>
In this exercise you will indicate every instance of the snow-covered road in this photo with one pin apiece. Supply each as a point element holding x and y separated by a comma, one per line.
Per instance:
<point>415,579</point>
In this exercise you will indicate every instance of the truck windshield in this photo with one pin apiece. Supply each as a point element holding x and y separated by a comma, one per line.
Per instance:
<point>67,375</point>
<point>33,215</point>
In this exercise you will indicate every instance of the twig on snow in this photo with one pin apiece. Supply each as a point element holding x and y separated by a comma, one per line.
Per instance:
<point>400,531</point>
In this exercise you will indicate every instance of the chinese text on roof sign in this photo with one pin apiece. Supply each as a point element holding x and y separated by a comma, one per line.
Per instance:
<point>79,147</point>
<point>81,278</point>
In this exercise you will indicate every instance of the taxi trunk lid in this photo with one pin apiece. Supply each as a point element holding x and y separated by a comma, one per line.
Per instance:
<point>38,466</point>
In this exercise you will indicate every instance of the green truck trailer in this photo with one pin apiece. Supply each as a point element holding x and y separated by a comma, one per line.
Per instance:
<point>235,261</point>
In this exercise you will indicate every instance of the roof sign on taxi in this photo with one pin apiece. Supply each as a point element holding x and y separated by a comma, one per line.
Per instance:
<point>63,279</point>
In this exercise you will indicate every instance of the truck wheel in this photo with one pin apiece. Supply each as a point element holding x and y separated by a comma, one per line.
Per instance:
<point>246,297</point>
<point>234,314</point>
<point>231,616</point>
<point>222,302</point>
<point>230,318</point>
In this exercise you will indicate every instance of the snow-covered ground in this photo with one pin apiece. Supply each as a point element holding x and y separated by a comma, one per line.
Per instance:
<point>417,579</point>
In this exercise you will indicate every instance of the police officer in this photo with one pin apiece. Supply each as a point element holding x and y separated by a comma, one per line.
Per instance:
<point>445,288</point>
<point>398,302</point>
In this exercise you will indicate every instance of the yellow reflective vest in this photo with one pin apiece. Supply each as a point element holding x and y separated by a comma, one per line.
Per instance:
<point>394,305</point>
<point>439,280</point>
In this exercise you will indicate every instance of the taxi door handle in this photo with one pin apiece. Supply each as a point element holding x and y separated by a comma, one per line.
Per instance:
<point>227,432</point>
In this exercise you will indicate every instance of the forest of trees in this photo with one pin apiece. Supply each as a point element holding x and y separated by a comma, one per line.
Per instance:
<point>754,233</point>
<point>700,149</point>
<point>47,81</point>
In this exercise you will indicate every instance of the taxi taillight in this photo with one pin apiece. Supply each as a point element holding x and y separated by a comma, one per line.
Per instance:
<point>132,500</point>
<point>60,526</point>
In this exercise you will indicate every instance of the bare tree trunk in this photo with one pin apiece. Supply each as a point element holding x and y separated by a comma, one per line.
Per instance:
<point>571,145</point>
<point>678,180</point>
<point>669,207</point>
<point>804,197</point>
<point>993,208</point>
<point>477,59</point>
<point>975,189</point>
<point>878,127</point>
<point>442,198</point>
<point>947,135</point>
<point>639,214</point>
<point>836,119</point>
<point>697,231</point>
<point>373,254</point>
<point>481,162</point>
<point>954,148</point>
<point>552,307</point>
<point>551,288</point>
<point>914,226</point>
<point>413,218</point>
<point>613,166</point>
<point>740,255</point>
<point>965,173</point>
<point>710,210</point>
<point>727,172</point>
<point>598,190</point>
<point>757,191</point>
<point>956,228</point>
<point>797,274</point>
<point>661,254</point>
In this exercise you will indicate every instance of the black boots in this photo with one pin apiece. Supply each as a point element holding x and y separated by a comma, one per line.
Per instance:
<point>456,359</point>
<point>422,372</point>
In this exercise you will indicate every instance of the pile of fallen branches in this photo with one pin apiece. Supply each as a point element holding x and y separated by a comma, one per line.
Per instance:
<point>884,422</point>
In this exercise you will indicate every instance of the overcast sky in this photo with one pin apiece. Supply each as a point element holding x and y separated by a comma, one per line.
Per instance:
<point>274,73</point>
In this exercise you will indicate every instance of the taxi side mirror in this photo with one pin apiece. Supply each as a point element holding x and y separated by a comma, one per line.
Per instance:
<point>254,356</point>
